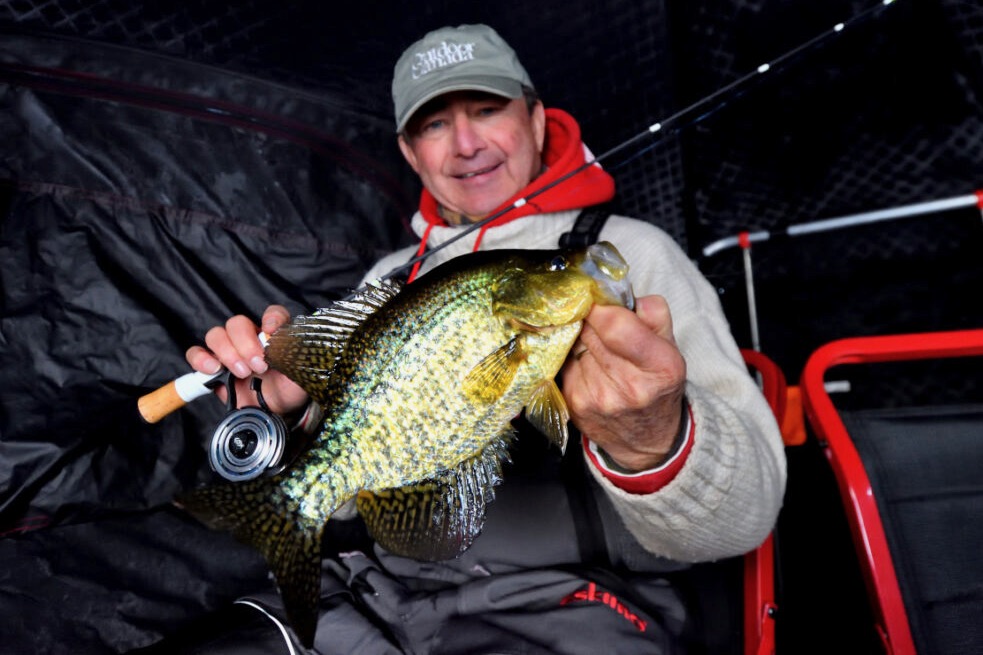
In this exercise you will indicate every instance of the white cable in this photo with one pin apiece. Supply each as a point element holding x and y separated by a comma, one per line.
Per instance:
<point>283,628</point>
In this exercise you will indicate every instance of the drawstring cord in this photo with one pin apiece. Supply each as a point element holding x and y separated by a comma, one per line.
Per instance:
<point>419,253</point>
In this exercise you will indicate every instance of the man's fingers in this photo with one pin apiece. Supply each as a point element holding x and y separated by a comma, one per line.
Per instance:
<point>274,317</point>
<point>202,360</point>
<point>237,346</point>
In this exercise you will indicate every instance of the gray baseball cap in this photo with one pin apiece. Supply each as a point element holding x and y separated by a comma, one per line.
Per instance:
<point>462,58</point>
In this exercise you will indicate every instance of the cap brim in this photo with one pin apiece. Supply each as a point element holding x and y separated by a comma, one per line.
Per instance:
<point>500,86</point>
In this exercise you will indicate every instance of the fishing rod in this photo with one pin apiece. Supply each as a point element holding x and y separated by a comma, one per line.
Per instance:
<point>177,393</point>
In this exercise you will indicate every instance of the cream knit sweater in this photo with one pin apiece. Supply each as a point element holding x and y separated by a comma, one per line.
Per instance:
<point>726,498</point>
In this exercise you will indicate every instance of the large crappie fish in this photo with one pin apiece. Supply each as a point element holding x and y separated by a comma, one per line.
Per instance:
<point>418,386</point>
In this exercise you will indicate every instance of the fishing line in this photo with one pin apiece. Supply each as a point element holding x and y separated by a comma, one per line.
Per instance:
<point>675,123</point>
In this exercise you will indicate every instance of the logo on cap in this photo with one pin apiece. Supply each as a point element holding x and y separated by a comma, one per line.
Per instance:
<point>462,58</point>
<point>442,56</point>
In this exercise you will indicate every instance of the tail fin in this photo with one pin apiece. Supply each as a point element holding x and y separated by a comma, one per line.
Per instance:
<point>290,544</point>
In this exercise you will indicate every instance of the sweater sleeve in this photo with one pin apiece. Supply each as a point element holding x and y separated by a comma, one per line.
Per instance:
<point>725,497</point>
<point>650,481</point>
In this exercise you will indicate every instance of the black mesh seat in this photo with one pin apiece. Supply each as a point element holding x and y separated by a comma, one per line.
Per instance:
<point>912,483</point>
<point>925,466</point>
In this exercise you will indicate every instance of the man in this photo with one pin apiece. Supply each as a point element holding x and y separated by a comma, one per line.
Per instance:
<point>684,460</point>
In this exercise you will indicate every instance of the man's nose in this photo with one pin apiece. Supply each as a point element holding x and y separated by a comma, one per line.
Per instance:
<point>467,139</point>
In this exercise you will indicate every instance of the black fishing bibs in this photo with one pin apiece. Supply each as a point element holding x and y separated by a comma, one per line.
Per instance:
<point>522,587</point>
<point>590,538</point>
<point>587,228</point>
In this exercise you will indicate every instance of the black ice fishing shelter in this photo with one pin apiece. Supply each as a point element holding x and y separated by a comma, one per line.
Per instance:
<point>164,165</point>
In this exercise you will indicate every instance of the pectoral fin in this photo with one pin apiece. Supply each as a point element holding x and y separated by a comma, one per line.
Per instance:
<point>547,412</point>
<point>438,518</point>
<point>489,380</point>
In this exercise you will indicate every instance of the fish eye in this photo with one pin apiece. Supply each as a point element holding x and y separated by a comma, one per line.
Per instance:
<point>559,263</point>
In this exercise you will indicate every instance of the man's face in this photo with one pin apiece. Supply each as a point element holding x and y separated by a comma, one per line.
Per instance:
<point>473,151</point>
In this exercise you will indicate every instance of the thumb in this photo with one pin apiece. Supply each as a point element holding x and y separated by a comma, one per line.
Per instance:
<point>654,312</point>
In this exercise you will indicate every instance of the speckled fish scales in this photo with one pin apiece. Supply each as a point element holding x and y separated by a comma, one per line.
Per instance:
<point>419,386</point>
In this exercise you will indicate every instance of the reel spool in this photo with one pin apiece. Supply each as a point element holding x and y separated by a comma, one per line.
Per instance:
<point>249,442</point>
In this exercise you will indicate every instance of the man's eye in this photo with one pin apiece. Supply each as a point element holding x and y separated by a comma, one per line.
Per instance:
<point>430,126</point>
<point>488,110</point>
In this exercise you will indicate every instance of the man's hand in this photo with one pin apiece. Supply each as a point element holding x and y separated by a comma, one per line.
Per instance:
<point>236,346</point>
<point>625,380</point>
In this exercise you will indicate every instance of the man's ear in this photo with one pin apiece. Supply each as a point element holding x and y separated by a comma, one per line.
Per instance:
<point>408,153</point>
<point>539,125</point>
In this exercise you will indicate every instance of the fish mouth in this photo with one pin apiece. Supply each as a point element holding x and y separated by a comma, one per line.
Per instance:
<point>547,329</point>
<point>609,269</point>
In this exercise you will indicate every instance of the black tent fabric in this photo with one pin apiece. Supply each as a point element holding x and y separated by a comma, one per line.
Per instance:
<point>167,164</point>
<point>117,584</point>
<point>138,215</point>
<point>144,201</point>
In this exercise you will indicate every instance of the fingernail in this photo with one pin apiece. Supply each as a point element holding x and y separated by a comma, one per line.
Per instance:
<point>258,364</point>
<point>241,370</point>
<point>212,366</point>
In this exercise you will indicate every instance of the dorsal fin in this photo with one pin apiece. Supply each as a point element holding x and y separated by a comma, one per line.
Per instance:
<point>307,348</point>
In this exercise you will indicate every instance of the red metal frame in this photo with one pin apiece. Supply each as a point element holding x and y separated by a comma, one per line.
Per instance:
<point>759,564</point>
<point>759,599</point>
<point>855,490</point>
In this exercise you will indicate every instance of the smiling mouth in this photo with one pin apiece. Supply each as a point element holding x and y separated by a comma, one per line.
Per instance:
<point>466,176</point>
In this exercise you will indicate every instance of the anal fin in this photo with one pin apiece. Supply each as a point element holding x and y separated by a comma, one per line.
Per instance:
<point>439,518</point>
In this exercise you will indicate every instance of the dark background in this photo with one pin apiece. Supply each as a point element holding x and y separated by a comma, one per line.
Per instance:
<point>166,164</point>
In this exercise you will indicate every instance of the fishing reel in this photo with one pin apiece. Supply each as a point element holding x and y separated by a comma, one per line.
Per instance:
<point>250,441</point>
